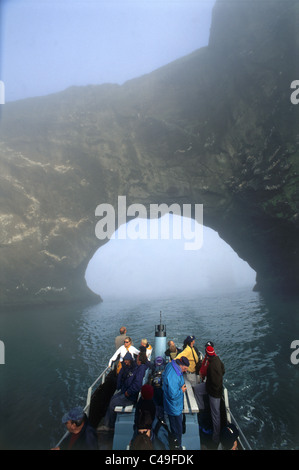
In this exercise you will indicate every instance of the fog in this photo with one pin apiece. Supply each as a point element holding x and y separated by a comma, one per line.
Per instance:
<point>50,45</point>
<point>158,268</point>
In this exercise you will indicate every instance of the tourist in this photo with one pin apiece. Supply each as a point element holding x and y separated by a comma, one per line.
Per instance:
<point>82,436</point>
<point>205,363</point>
<point>119,340</point>
<point>213,388</point>
<point>172,350</point>
<point>145,412</point>
<point>173,386</point>
<point>148,348</point>
<point>129,383</point>
<point>122,351</point>
<point>193,357</point>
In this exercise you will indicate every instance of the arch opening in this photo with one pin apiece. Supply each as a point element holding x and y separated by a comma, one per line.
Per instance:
<point>134,264</point>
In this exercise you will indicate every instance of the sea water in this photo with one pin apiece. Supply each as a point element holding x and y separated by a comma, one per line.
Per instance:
<point>53,354</point>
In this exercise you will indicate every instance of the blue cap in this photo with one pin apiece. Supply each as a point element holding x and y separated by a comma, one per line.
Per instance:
<point>189,339</point>
<point>75,414</point>
<point>183,361</point>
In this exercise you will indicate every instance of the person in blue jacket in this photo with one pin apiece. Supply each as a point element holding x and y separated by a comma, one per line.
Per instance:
<point>129,383</point>
<point>173,386</point>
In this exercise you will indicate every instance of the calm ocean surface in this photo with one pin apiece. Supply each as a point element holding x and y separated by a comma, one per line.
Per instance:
<point>53,354</point>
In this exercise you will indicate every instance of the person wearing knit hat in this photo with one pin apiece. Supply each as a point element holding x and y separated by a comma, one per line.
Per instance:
<point>213,388</point>
<point>145,412</point>
<point>147,392</point>
<point>210,351</point>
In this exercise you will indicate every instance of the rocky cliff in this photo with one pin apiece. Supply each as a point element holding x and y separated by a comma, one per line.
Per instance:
<point>216,127</point>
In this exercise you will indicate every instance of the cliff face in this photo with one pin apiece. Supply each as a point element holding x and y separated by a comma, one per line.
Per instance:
<point>216,127</point>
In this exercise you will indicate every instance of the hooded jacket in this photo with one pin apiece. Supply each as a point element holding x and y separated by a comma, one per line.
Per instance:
<point>130,380</point>
<point>173,396</point>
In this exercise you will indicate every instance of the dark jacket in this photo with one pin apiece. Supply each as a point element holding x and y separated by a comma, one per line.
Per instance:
<point>145,413</point>
<point>130,380</point>
<point>168,353</point>
<point>86,439</point>
<point>215,374</point>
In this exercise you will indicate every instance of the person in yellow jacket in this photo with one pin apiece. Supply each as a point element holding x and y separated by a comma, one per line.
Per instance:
<point>193,356</point>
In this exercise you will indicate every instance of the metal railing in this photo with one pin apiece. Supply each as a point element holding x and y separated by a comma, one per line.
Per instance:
<point>101,379</point>
<point>230,417</point>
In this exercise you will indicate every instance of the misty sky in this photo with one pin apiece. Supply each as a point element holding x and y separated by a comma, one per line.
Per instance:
<point>50,45</point>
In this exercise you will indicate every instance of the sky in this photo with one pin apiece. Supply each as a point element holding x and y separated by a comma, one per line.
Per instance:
<point>50,45</point>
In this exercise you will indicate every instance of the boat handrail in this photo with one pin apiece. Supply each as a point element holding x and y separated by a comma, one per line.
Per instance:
<point>226,402</point>
<point>230,417</point>
<point>102,378</point>
<point>241,434</point>
<point>62,439</point>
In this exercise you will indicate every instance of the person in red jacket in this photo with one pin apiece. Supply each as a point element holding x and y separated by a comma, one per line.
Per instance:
<point>205,363</point>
